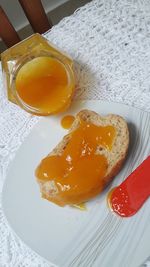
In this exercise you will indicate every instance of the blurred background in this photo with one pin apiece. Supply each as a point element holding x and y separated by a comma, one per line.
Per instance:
<point>55,10</point>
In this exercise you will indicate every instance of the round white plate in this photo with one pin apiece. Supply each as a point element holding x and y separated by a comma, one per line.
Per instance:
<point>66,236</point>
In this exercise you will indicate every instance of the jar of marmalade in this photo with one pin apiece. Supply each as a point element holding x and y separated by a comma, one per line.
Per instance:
<point>39,78</point>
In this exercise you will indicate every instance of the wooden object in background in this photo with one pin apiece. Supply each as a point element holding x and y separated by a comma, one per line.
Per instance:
<point>7,31</point>
<point>36,15</point>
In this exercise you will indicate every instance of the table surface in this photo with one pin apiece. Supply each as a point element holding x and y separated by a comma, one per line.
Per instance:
<point>109,41</point>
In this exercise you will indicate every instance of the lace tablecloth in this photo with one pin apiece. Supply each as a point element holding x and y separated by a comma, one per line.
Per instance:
<point>110,43</point>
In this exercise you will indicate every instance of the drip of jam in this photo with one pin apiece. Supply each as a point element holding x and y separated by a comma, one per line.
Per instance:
<point>76,174</point>
<point>67,121</point>
<point>130,195</point>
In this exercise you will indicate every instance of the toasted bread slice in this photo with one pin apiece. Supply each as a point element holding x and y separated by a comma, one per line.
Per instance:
<point>115,157</point>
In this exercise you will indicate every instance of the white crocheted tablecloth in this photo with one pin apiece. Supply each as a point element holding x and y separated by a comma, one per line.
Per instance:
<point>110,43</point>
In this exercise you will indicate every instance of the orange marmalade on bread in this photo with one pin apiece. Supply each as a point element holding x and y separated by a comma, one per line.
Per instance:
<point>76,174</point>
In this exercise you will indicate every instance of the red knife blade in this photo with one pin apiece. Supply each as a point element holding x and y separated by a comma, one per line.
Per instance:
<point>127,198</point>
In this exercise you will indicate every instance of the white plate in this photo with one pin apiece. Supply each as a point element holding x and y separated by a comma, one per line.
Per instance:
<point>66,236</point>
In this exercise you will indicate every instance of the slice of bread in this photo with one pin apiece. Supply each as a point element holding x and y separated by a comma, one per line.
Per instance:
<point>115,157</point>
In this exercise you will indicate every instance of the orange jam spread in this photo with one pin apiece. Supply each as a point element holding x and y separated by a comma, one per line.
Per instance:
<point>67,121</point>
<point>76,174</point>
<point>43,83</point>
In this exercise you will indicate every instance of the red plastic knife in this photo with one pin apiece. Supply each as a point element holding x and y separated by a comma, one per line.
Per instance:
<point>130,195</point>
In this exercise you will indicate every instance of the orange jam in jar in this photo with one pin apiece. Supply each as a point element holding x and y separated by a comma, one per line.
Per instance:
<point>39,77</point>
<point>76,174</point>
<point>43,85</point>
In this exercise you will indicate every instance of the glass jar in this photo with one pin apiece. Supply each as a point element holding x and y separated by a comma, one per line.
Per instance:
<point>38,76</point>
